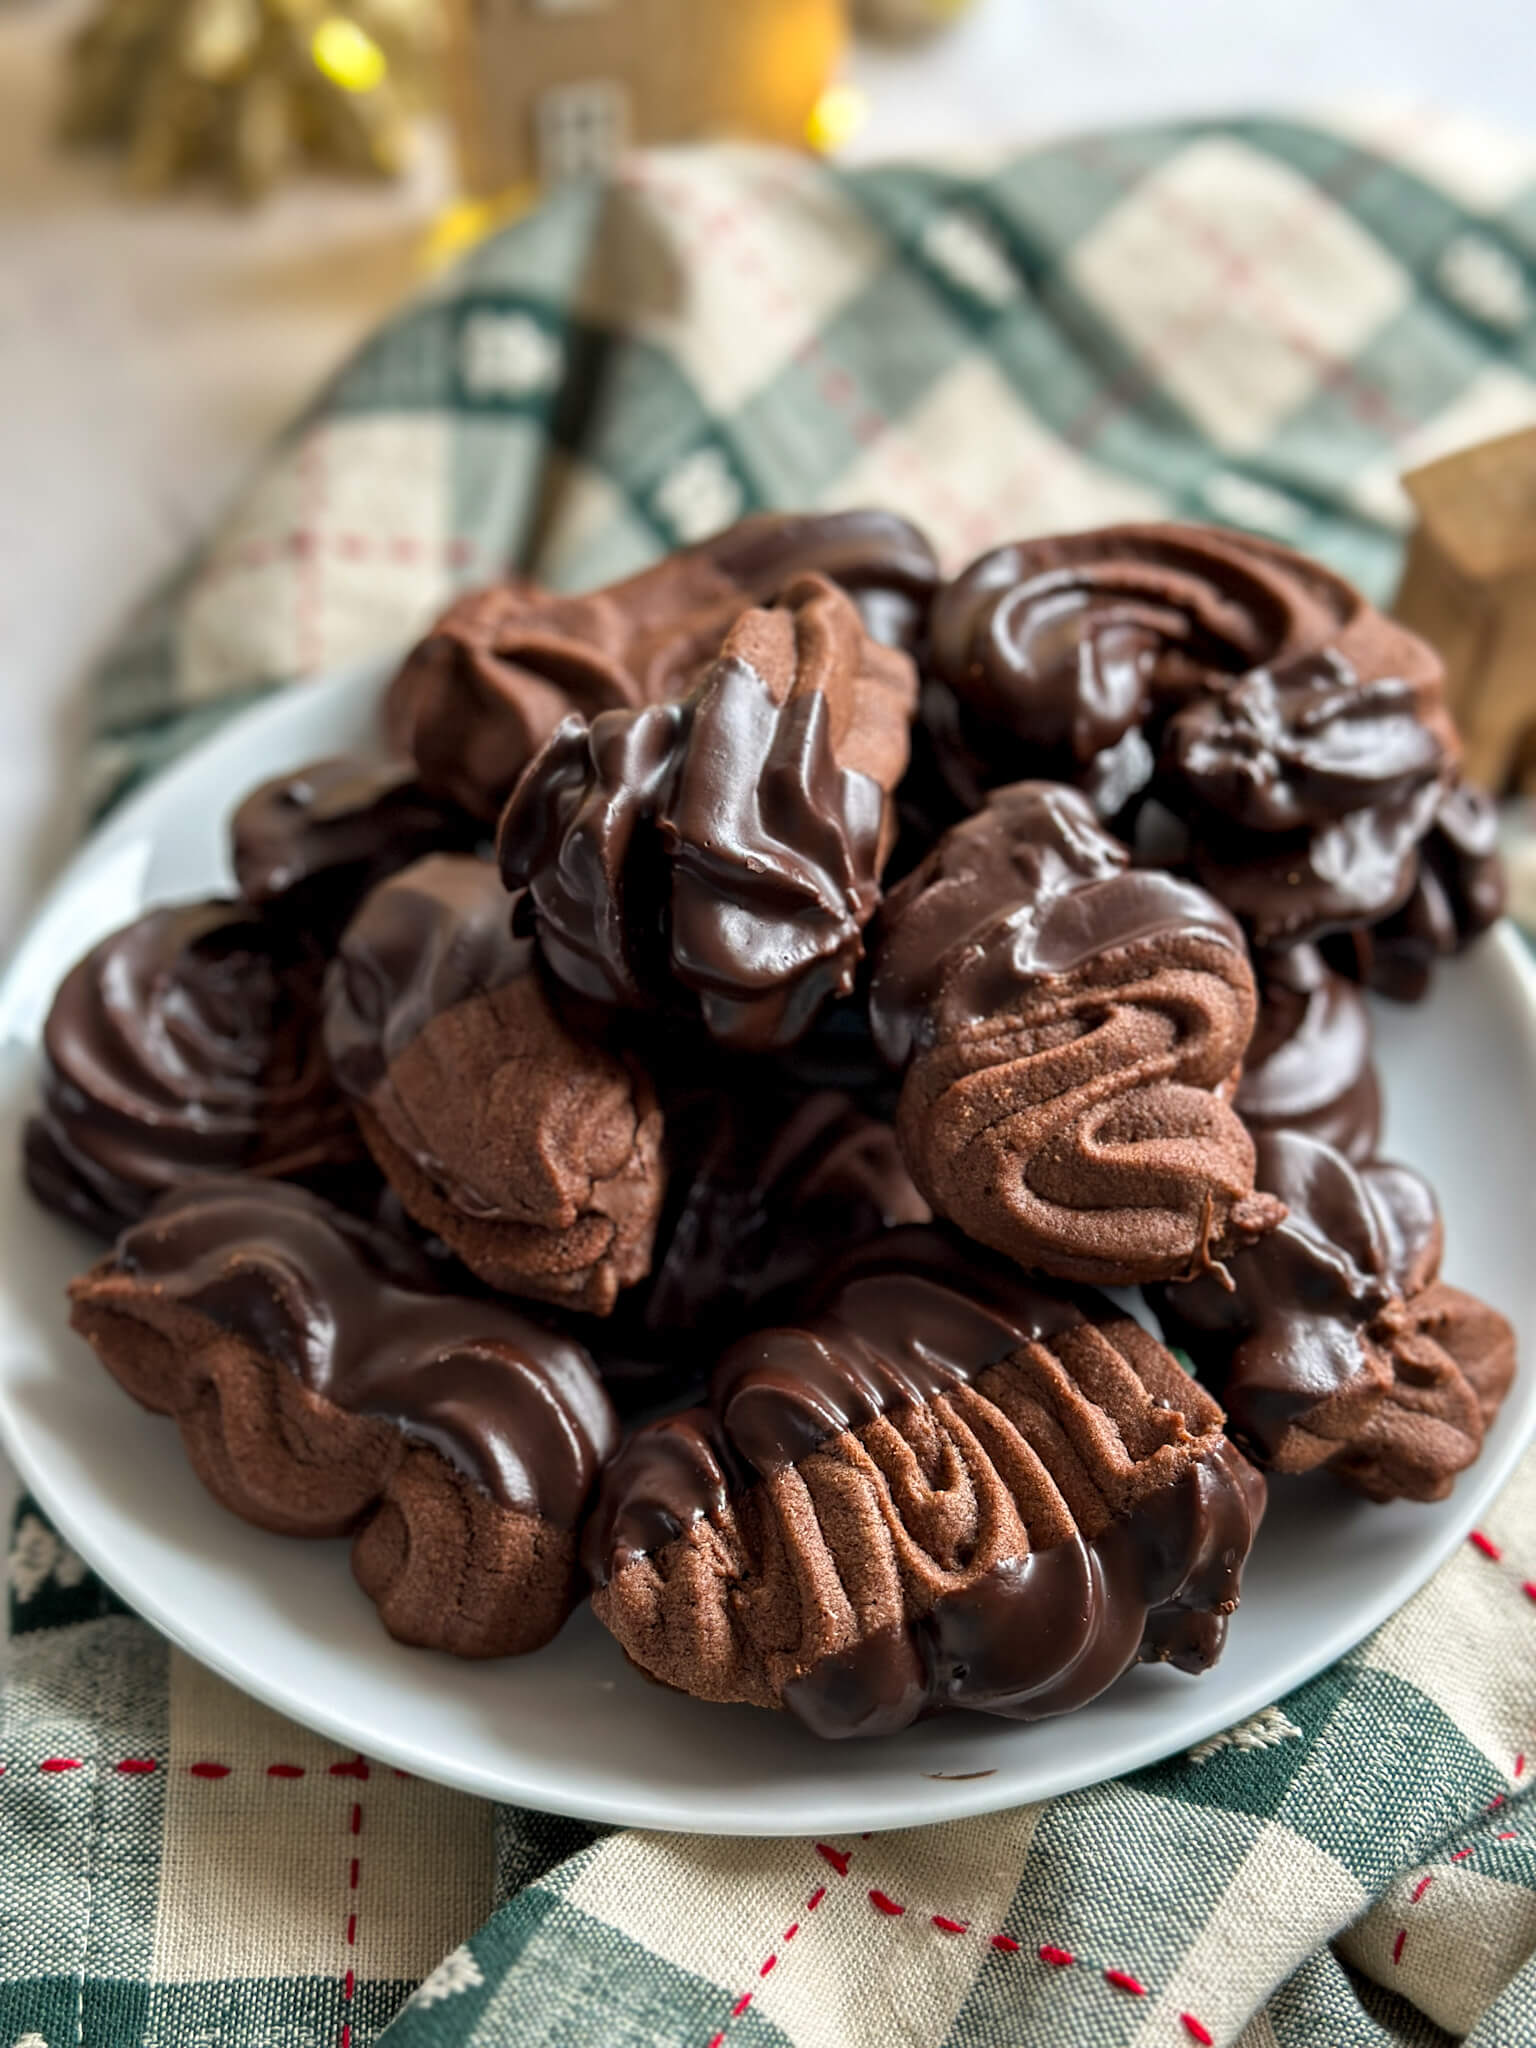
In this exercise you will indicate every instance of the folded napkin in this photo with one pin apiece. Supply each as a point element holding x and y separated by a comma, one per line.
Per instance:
<point>1258,322</point>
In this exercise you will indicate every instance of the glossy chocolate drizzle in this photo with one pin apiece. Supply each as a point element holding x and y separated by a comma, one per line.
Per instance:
<point>1308,1067</point>
<point>317,839</point>
<point>763,1180</point>
<point>1289,1331</point>
<point>186,1044</point>
<point>1059,657</point>
<point>1069,1029</point>
<point>911,1318</point>
<point>438,934</point>
<point>720,855</point>
<point>514,1406</point>
<point>1458,892</point>
<point>504,666</point>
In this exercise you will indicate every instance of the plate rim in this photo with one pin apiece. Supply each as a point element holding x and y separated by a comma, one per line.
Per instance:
<point>743,1813</point>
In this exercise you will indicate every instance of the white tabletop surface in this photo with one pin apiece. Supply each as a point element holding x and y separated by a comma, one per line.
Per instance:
<point>148,351</point>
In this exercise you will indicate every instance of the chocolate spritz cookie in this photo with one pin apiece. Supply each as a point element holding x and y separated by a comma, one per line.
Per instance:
<point>946,1485</point>
<point>1457,895</point>
<point>186,1044</point>
<point>763,1182</point>
<point>1070,1031</point>
<point>1308,1067</point>
<point>309,845</point>
<point>535,1154</point>
<point>323,1388</point>
<point>718,857</point>
<point>1333,1342</point>
<point>503,666</point>
<point>1298,735</point>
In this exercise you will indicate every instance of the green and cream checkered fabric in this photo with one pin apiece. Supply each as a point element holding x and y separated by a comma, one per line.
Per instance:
<point>1259,322</point>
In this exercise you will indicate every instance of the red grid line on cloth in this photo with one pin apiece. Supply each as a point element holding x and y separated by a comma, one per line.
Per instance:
<point>888,1908</point>
<point>204,1767</point>
<point>305,542</point>
<point>357,1767</point>
<point>1142,374</point>
<point>309,629</point>
<point>1400,1939</point>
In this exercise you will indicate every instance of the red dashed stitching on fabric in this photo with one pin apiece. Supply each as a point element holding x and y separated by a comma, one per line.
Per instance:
<point>285,1770</point>
<point>1422,1886</point>
<point>355,1769</point>
<point>1485,1544</point>
<point>308,622</point>
<point>305,543</point>
<point>62,1763</point>
<point>208,1770</point>
<point>135,1766</point>
<point>942,1923</point>
<point>1461,1855</point>
<point>1397,1946</point>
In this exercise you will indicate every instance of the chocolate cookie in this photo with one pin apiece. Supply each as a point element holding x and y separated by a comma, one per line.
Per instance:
<point>945,1486</point>
<point>311,844</point>
<point>322,1390</point>
<point>1070,1032</point>
<point>1063,656</point>
<point>1332,1342</point>
<point>718,857</point>
<point>763,1181</point>
<point>503,666</point>
<point>186,1044</point>
<point>1457,894</point>
<point>535,1154</point>
<point>1308,1067</point>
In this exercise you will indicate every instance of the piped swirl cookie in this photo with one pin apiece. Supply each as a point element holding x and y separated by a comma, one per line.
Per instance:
<point>477,699</point>
<point>1333,1342</point>
<point>535,1154</point>
<point>323,1387</point>
<point>719,857</point>
<point>186,1044</point>
<point>946,1485</point>
<point>1070,1031</point>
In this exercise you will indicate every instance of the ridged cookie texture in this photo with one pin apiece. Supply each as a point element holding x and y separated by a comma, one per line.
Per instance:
<point>945,1486</point>
<point>1070,1031</point>
<point>1334,1342</point>
<point>324,1387</point>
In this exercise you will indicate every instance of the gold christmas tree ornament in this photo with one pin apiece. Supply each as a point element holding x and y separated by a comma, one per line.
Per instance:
<point>249,90</point>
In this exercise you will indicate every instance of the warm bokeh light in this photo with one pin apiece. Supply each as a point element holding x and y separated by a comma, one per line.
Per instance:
<point>348,55</point>
<point>836,117</point>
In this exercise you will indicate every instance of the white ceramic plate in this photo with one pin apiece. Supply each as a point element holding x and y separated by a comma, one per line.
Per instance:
<point>573,1728</point>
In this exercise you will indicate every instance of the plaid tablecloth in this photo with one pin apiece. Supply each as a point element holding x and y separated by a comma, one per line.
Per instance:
<point>1252,321</point>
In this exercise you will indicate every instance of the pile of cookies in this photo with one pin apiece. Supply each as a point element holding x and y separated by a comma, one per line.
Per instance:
<point>767,1000</point>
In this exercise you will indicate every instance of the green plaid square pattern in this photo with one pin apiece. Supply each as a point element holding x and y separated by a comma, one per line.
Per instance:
<point>1255,321</point>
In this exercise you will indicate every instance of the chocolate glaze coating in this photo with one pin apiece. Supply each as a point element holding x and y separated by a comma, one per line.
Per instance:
<point>534,1153</point>
<point>1297,748</point>
<point>317,839</point>
<point>1333,1343</point>
<point>512,1405</point>
<point>1458,892</point>
<point>503,666</point>
<point>1309,1067</point>
<point>1059,656</point>
<point>763,1180</point>
<point>325,1384</point>
<point>186,1044</point>
<point>1057,1500</point>
<point>719,856</point>
<point>1070,1030</point>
